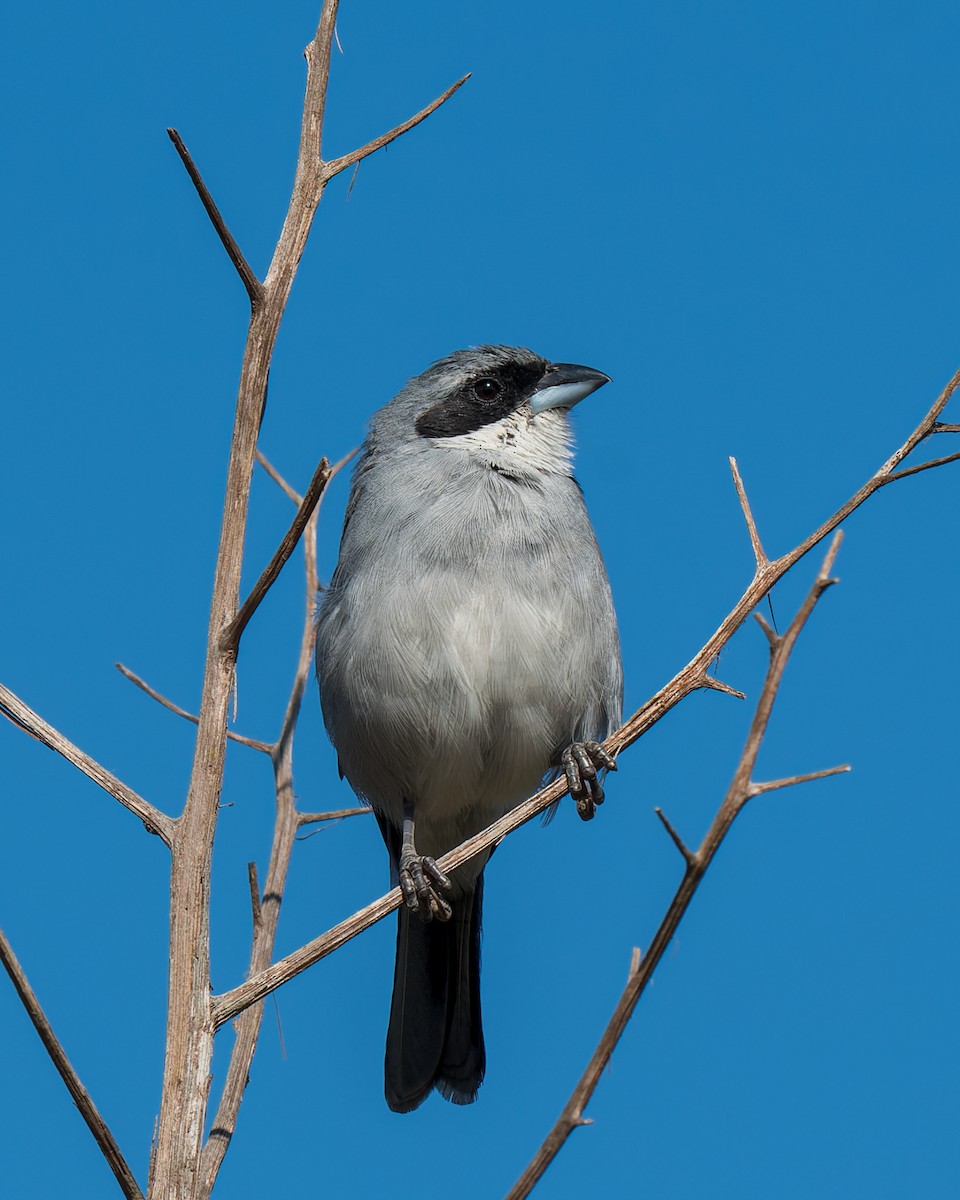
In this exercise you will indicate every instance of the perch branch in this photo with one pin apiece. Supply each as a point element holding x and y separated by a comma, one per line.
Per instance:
<point>153,819</point>
<point>691,678</point>
<point>244,270</point>
<point>81,1097</point>
<point>740,791</point>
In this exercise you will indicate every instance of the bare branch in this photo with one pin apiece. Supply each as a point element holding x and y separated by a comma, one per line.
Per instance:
<point>758,551</point>
<point>288,822</point>
<point>772,636</point>
<point>945,427</point>
<point>337,815</point>
<point>936,462</point>
<point>758,789</point>
<point>717,685</point>
<point>153,819</point>
<point>244,270</point>
<point>254,896</point>
<point>277,478</point>
<point>263,747</point>
<point>321,477</point>
<point>688,855</point>
<point>336,165</point>
<point>81,1097</point>
<point>690,678</point>
<point>738,794</point>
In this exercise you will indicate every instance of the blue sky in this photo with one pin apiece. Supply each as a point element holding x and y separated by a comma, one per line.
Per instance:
<point>746,214</point>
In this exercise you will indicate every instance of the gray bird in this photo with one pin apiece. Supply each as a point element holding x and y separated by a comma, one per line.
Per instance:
<point>467,648</point>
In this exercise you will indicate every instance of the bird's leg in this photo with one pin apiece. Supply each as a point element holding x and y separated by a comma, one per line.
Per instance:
<point>580,762</point>
<point>421,880</point>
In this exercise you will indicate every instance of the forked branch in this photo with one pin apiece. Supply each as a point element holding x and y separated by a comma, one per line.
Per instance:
<point>695,867</point>
<point>692,678</point>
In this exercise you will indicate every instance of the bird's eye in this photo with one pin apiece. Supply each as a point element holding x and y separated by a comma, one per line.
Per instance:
<point>486,389</point>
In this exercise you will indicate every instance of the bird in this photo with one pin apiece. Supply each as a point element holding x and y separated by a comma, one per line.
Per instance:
<point>467,651</point>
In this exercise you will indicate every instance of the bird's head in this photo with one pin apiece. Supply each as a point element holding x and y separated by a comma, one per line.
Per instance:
<point>502,405</point>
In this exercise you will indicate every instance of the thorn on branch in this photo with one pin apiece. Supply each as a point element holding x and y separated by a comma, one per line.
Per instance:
<point>718,685</point>
<point>773,785</point>
<point>688,856</point>
<point>336,165</point>
<point>250,281</point>
<point>773,638</point>
<point>336,815</point>
<point>758,551</point>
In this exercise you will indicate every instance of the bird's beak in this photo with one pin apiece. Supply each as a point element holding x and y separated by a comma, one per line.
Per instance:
<point>564,385</point>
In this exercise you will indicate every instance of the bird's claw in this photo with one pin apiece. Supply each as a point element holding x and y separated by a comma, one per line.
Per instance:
<point>421,882</point>
<point>580,763</point>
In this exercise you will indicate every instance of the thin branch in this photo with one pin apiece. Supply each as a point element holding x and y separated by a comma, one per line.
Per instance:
<point>321,477</point>
<point>718,685</point>
<point>153,819</point>
<point>254,896</point>
<point>81,1097</point>
<point>336,165</point>
<point>337,815</point>
<point>773,785</point>
<point>936,462</point>
<point>758,551</point>
<point>253,743</point>
<point>689,679</point>
<point>769,632</point>
<point>267,910</point>
<point>945,427</point>
<point>675,837</point>
<point>277,478</point>
<point>739,792</point>
<point>244,270</point>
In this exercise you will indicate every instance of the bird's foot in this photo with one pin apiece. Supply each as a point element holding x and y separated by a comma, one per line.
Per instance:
<point>422,882</point>
<point>580,763</point>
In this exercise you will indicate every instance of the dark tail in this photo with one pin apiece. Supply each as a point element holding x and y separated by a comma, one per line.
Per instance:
<point>435,1039</point>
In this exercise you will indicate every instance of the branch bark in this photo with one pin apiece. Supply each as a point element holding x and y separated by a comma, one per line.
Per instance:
<point>153,819</point>
<point>696,865</point>
<point>691,678</point>
<point>178,1172</point>
<point>81,1097</point>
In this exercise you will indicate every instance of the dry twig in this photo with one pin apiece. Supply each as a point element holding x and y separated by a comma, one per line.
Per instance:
<point>153,819</point>
<point>81,1097</point>
<point>693,677</point>
<point>696,864</point>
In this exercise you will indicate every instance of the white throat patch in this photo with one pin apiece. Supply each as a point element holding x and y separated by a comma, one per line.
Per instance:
<point>521,443</point>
